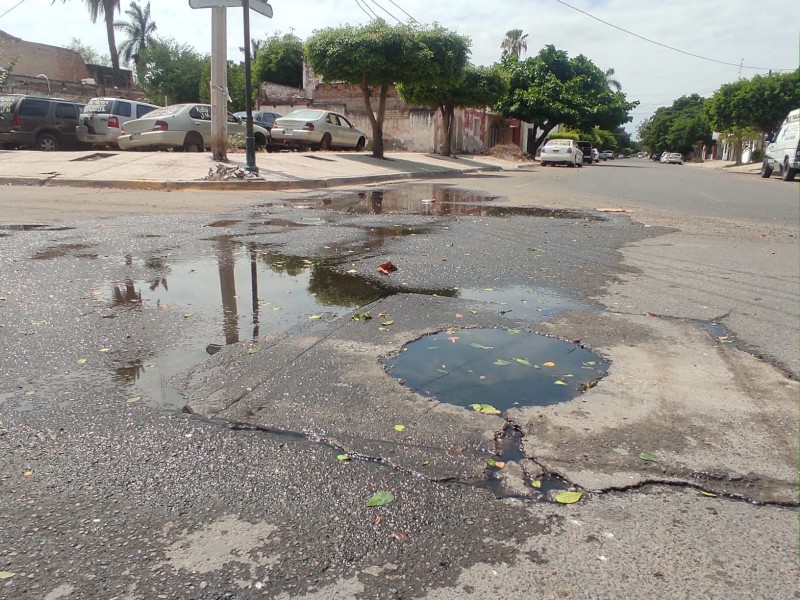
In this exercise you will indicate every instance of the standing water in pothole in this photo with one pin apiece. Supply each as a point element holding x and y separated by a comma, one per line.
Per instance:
<point>504,368</point>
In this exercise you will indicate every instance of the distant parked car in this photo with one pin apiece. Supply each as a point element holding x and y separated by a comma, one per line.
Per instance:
<point>607,155</point>
<point>318,130</point>
<point>260,117</point>
<point>39,123</point>
<point>675,158</point>
<point>586,150</point>
<point>595,155</point>
<point>664,157</point>
<point>561,152</point>
<point>181,126</point>
<point>101,120</point>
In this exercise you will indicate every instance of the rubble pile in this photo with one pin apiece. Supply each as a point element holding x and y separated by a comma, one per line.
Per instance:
<point>228,173</point>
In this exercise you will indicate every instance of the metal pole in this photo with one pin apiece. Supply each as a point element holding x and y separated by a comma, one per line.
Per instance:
<point>219,83</point>
<point>250,145</point>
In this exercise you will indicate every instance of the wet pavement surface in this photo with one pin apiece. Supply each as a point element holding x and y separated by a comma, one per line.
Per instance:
<point>206,399</point>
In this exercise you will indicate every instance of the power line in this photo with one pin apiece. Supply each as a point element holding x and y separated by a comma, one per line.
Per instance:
<point>721,62</point>
<point>376,3</point>
<point>12,8</point>
<point>404,12</point>
<point>371,16</point>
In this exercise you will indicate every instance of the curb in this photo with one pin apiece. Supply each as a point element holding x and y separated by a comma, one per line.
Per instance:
<point>235,185</point>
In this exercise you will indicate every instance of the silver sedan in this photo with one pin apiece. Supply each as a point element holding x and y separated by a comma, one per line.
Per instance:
<point>318,130</point>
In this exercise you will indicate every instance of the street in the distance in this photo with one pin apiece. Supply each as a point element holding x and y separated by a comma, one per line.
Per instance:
<point>198,397</point>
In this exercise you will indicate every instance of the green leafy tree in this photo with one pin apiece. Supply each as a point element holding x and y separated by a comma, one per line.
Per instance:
<point>682,127</point>
<point>172,71</point>
<point>768,99</point>
<point>6,66</point>
<point>552,89</point>
<point>140,31</point>
<point>236,88</point>
<point>105,8</point>
<point>377,56</point>
<point>515,43</point>
<point>279,59</point>
<point>89,55</point>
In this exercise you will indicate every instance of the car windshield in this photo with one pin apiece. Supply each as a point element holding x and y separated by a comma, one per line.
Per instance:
<point>558,143</point>
<point>98,105</point>
<point>309,115</point>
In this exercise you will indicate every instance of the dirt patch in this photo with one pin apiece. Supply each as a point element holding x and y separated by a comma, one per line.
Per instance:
<point>509,152</point>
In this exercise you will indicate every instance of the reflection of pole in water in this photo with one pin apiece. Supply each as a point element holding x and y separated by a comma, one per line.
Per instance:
<point>227,284</point>
<point>254,286</point>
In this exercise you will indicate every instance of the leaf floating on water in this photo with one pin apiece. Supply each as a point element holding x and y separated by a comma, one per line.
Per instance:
<point>536,483</point>
<point>513,331</point>
<point>254,350</point>
<point>133,399</point>
<point>709,494</point>
<point>488,409</point>
<point>501,363</point>
<point>481,347</point>
<point>589,363</point>
<point>399,427</point>
<point>380,498</point>
<point>498,464</point>
<point>568,497</point>
<point>523,361</point>
<point>344,457</point>
<point>567,375</point>
<point>559,382</point>
<point>648,457</point>
<point>549,363</point>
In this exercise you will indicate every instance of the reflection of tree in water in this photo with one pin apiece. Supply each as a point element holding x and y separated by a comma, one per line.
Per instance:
<point>282,263</point>
<point>333,287</point>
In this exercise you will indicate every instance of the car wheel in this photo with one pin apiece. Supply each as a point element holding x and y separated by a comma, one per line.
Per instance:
<point>766,170</point>
<point>361,144</point>
<point>325,143</point>
<point>193,142</point>
<point>46,142</point>
<point>788,172</point>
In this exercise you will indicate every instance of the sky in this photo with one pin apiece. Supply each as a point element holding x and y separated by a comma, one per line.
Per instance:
<point>742,33</point>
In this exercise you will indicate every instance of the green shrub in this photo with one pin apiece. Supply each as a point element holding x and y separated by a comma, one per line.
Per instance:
<point>236,141</point>
<point>564,135</point>
<point>757,155</point>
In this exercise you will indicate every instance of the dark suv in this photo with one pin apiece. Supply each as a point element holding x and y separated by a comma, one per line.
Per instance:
<point>46,124</point>
<point>586,148</point>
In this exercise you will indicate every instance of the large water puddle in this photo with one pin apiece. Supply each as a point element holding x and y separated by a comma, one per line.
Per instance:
<point>501,368</point>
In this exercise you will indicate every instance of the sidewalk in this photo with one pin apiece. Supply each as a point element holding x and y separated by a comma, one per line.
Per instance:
<point>277,170</point>
<point>729,166</point>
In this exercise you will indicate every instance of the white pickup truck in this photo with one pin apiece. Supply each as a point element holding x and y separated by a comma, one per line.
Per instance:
<point>783,153</point>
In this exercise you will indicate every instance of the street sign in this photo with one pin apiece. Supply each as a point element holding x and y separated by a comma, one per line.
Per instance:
<point>262,7</point>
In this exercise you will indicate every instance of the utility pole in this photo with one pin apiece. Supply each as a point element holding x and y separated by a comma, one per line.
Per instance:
<point>219,83</point>
<point>250,144</point>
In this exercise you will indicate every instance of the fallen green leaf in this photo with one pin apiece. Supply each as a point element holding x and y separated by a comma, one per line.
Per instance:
<point>568,497</point>
<point>522,361</point>
<point>352,271</point>
<point>488,289</point>
<point>512,331</point>
<point>559,382</point>
<point>315,317</point>
<point>589,363</point>
<point>399,427</point>
<point>441,370</point>
<point>501,363</point>
<point>475,407</point>
<point>488,409</point>
<point>54,436</point>
<point>254,350</point>
<point>481,347</point>
<point>536,483</point>
<point>187,315</point>
<point>80,361</point>
<point>387,323</point>
<point>425,462</point>
<point>30,393</point>
<point>6,574</point>
<point>646,456</point>
<point>709,494</point>
<point>344,457</point>
<point>133,399</point>
<point>104,350</point>
<point>380,498</point>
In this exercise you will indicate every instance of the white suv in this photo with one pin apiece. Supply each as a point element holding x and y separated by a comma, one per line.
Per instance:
<point>102,119</point>
<point>783,153</point>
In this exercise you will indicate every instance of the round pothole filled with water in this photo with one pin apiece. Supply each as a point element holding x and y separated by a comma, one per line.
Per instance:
<point>502,368</point>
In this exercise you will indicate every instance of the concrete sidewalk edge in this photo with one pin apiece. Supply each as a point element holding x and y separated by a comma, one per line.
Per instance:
<point>237,184</point>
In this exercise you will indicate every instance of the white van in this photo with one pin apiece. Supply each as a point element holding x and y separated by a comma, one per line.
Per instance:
<point>783,153</point>
<point>102,119</point>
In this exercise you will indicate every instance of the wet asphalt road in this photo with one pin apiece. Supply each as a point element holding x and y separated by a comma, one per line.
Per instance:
<point>110,490</point>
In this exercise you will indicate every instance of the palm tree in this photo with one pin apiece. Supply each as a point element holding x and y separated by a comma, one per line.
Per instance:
<point>106,8</point>
<point>612,84</point>
<point>514,43</point>
<point>139,30</point>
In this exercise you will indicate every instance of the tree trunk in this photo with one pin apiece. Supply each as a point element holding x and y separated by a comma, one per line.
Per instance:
<point>376,123</point>
<point>447,129</point>
<point>108,13</point>
<point>534,142</point>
